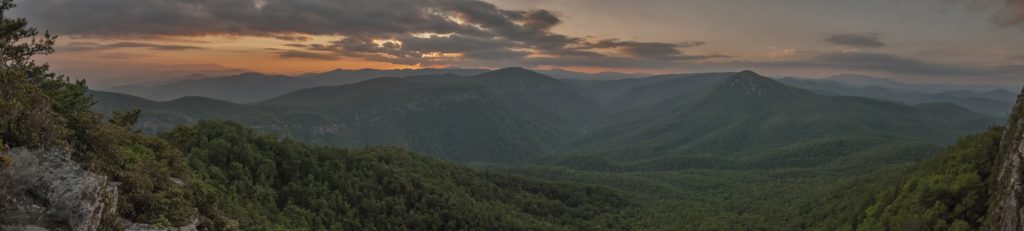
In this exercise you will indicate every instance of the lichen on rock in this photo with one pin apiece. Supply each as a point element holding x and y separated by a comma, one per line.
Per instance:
<point>46,189</point>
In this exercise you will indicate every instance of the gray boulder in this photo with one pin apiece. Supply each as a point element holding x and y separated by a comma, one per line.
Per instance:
<point>46,190</point>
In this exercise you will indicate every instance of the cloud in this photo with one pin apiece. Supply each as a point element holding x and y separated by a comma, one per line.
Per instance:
<point>863,40</point>
<point>862,61</point>
<point>87,46</point>
<point>292,38</point>
<point>307,55</point>
<point>649,50</point>
<point>397,31</point>
<point>1008,14</point>
<point>1011,14</point>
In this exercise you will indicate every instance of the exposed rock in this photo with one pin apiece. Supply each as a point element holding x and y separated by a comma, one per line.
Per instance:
<point>1008,211</point>
<point>46,190</point>
<point>177,181</point>
<point>23,228</point>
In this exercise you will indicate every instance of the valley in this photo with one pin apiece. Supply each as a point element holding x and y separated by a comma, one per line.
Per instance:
<point>732,151</point>
<point>396,115</point>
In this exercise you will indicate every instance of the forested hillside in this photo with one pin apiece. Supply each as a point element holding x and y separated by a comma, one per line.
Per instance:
<point>264,182</point>
<point>952,191</point>
<point>695,152</point>
<point>759,119</point>
<point>501,116</point>
<point>513,114</point>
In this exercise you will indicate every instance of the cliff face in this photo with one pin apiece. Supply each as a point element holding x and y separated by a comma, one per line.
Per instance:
<point>1007,210</point>
<point>47,190</point>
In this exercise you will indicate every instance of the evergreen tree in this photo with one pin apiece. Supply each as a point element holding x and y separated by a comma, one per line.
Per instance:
<point>41,107</point>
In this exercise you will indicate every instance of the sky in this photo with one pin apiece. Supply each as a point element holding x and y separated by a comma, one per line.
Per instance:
<point>113,42</point>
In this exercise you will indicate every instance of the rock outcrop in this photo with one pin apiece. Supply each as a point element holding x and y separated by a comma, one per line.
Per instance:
<point>46,190</point>
<point>1007,212</point>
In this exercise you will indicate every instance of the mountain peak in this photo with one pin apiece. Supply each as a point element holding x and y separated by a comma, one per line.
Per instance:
<point>751,83</point>
<point>257,75</point>
<point>748,73</point>
<point>252,74</point>
<point>515,77</point>
<point>514,72</point>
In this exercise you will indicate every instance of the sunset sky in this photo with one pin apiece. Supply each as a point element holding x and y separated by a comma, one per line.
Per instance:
<point>111,42</point>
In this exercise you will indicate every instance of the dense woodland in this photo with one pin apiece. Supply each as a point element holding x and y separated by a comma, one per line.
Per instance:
<point>736,151</point>
<point>268,183</point>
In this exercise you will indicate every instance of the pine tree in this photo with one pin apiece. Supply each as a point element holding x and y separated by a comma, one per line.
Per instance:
<point>37,103</point>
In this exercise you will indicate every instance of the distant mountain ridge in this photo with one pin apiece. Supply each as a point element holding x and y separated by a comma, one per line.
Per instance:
<point>515,114</point>
<point>868,81</point>
<point>503,115</point>
<point>253,87</point>
<point>995,102</point>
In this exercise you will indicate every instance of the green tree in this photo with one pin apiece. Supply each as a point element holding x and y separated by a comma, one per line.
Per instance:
<point>41,108</point>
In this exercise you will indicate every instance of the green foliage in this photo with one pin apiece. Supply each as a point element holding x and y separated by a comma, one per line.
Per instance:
<point>27,117</point>
<point>759,118</point>
<point>949,192</point>
<point>125,119</point>
<point>265,183</point>
<point>20,42</point>
<point>865,188</point>
<point>36,102</point>
<point>149,170</point>
<point>715,157</point>
<point>39,109</point>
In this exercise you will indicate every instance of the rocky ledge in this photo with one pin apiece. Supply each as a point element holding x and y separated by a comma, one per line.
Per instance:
<point>46,190</point>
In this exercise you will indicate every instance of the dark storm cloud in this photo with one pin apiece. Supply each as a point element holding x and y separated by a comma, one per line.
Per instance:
<point>864,40</point>
<point>649,50</point>
<point>540,20</point>
<point>898,65</point>
<point>77,47</point>
<point>473,28</point>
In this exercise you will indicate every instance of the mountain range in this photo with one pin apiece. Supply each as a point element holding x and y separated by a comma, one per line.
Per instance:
<point>514,114</point>
<point>252,87</point>
<point>748,114</point>
<point>871,81</point>
<point>450,116</point>
<point>732,150</point>
<point>985,99</point>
